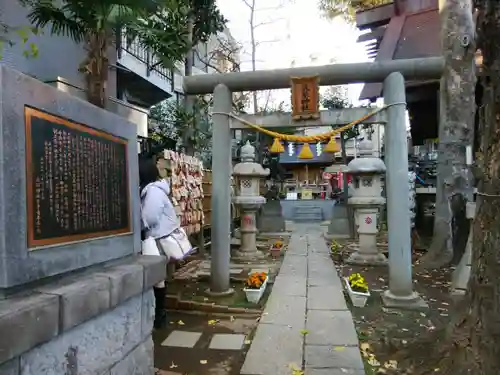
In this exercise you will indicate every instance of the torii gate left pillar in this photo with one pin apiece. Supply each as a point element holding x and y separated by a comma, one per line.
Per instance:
<point>400,292</point>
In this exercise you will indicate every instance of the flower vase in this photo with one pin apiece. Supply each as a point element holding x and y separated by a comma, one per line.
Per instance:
<point>254,295</point>
<point>275,252</point>
<point>358,299</point>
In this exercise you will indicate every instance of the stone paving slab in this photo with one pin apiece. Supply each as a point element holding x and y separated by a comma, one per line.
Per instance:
<point>330,328</point>
<point>182,339</point>
<point>290,286</point>
<point>273,349</point>
<point>295,265</point>
<point>285,310</point>
<point>326,298</point>
<point>297,245</point>
<point>307,293</point>
<point>334,371</point>
<point>320,356</point>
<point>227,341</point>
<point>317,244</point>
<point>324,279</point>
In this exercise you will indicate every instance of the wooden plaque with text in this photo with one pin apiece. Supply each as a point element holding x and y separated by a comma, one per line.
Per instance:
<point>77,181</point>
<point>305,98</point>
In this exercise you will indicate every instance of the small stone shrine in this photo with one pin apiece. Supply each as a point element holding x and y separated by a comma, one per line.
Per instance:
<point>367,200</point>
<point>75,296</point>
<point>248,173</point>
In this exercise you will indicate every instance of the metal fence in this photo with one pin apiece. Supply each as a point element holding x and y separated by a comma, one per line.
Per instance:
<point>149,147</point>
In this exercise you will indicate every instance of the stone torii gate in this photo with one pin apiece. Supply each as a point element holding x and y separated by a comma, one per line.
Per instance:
<point>393,74</point>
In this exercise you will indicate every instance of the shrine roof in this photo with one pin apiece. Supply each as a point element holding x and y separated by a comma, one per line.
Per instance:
<point>406,36</point>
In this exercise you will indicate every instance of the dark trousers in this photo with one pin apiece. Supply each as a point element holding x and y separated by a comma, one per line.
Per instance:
<point>160,312</point>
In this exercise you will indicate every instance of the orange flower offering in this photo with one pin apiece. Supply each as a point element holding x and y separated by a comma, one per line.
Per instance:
<point>255,280</point>
<point>277,244</point>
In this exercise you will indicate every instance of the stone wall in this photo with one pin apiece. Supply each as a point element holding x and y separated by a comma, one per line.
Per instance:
<point>98,322</point>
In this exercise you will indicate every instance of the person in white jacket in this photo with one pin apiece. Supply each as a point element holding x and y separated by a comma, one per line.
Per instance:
<point>158,219</point>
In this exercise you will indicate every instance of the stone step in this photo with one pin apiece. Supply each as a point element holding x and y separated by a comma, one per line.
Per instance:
<point>308,217</point>
<point>308,213</point>
<point>308,210</point>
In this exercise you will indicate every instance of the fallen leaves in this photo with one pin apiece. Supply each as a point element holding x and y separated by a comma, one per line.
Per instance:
<point>304,332</point>
<point>295,370</point>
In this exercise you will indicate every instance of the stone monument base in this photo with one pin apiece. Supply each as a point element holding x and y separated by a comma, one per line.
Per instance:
<point>363,259</point>
<point>98,322</point>
<point>265,236</point>
<point>247,256</point>
<point>411,302</point>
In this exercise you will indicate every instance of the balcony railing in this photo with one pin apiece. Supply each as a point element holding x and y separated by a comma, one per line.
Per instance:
<point>153,65</point>
<point>149,147</point>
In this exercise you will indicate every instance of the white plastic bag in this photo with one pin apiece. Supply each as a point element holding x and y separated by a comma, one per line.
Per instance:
<point>149,247</point>
<point>176,245</point>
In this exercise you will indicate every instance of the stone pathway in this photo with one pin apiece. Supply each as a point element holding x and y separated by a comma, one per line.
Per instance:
<point>306,324</point>
<point>202,345</point>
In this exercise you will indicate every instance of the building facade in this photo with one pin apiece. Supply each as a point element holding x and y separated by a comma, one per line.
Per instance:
<point>136,81</point>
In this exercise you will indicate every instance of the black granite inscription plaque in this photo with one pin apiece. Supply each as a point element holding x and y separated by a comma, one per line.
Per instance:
<point>77,181</point>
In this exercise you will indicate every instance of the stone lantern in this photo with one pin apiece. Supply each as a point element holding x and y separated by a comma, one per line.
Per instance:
<point>366,172</point>
<point>248,174</point>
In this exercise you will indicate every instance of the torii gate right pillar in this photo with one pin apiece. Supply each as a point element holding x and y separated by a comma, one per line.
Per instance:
<point>400,293</point>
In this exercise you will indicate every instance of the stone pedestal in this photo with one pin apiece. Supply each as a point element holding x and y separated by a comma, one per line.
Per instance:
<point>248,232</point>
<point>98,323</point>
<point>367,253</point>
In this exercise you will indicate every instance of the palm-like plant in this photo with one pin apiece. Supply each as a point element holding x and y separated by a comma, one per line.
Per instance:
<point>157,24</point>
<point>347,8</point>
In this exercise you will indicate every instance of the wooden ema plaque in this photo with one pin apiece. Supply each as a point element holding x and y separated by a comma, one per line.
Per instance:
<point>77,181</point>
<point>305,98</point>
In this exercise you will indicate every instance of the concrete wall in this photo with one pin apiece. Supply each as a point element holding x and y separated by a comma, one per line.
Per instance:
<point>132,113</point>
<point>18,265</point>
<point>99,323</point>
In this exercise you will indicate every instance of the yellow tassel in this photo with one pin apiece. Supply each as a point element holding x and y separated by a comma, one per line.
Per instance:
<point>332,146</point>
<point>306,152</point>
<point>277,147</point>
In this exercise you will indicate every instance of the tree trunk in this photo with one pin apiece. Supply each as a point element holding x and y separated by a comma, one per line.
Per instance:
<point>95,67</point>
<point>189,99</point>
<point>253,52</point>
<point>456,133</point>
<point>472,338</point>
